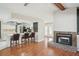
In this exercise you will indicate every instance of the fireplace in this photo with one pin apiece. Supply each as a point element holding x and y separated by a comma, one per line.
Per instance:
<point>65,39</point>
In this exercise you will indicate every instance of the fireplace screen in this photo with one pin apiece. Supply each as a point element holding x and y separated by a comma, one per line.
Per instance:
<point>65,39</point>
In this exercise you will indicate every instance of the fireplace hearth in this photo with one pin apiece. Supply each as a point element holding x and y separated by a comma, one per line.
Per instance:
<point>65,39</point>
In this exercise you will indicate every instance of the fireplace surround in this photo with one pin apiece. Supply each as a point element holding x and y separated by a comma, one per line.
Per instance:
<point>71,35</point>
<point>65,39</point>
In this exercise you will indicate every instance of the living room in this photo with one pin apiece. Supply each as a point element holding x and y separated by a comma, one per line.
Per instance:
<point>61,20</point>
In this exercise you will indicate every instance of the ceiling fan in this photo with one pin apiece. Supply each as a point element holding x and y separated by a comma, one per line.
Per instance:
<point>25,4</point>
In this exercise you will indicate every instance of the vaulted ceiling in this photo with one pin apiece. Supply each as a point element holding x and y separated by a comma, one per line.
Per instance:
<point>37,9</point>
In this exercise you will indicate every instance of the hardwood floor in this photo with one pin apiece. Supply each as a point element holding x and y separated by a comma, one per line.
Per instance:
<point>35,49</point>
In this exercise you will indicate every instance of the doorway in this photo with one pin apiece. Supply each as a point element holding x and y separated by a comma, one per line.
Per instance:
<point>49,32</point>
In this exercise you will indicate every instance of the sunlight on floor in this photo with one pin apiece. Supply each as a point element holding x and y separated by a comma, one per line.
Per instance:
<point>47,40</point>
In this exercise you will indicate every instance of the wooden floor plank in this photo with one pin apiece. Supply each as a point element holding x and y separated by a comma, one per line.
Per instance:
<point>35,49</point>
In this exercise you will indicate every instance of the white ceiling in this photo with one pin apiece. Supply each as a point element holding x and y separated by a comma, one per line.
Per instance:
<point>39,10</point>
<point>31,8</point>
<point>35,9</point>
<point>71,5</point>
<point>20,6</point>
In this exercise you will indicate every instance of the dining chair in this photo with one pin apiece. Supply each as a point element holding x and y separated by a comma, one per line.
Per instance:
<point>25,37</point>
<point>32,36</point>
<point>14,39</point>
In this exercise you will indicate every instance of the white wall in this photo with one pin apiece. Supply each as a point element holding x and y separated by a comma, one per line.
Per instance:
<point>65,20</point>
<point>41,25</point>
<point>40,30</point>
<point>4,15</point>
